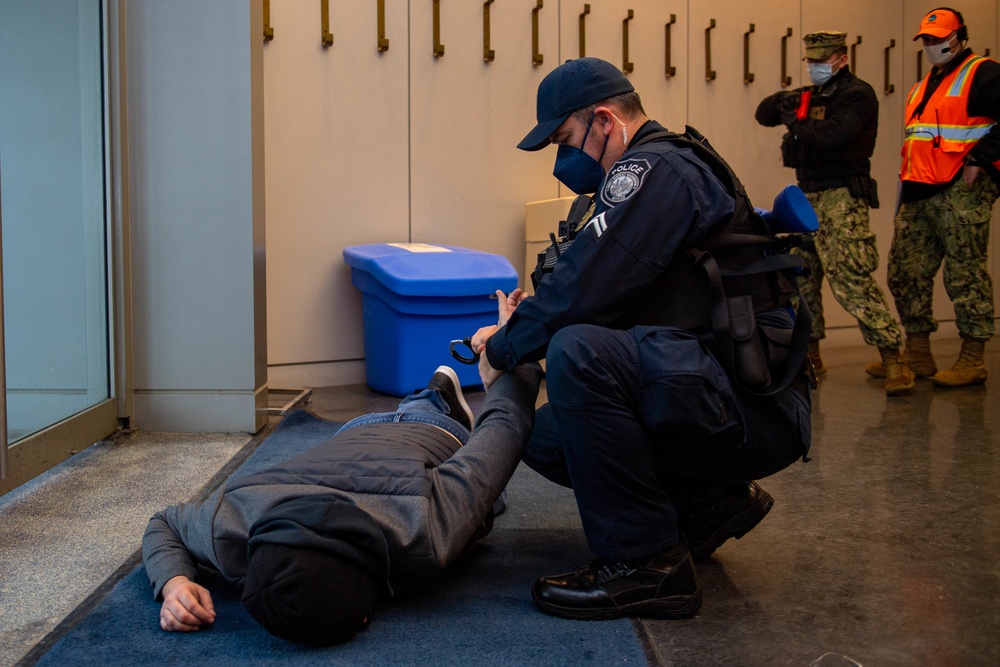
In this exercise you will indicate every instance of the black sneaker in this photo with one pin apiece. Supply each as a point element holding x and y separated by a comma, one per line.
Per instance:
<point>445,381</point>
<point>734,513</point>
<point>661,586</point>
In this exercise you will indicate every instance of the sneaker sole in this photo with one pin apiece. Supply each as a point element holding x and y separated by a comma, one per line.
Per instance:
<point>673,607</point>
<point>737,527</point>
<point>450,372</point>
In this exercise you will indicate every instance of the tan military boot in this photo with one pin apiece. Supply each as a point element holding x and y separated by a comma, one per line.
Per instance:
<point>899,379</point>
<point>968,370</point>
<point>815,359</point>
<point>917,355</point>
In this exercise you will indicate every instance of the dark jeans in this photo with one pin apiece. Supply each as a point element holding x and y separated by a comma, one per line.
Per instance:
<point>638,420</point>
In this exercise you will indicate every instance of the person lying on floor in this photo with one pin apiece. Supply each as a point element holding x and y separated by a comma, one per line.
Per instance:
<point>380,508</point>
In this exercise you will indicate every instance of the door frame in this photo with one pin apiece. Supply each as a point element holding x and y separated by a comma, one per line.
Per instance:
<point>45,449</point>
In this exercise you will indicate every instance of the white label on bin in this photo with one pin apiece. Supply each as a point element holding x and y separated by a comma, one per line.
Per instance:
<point>419,247</point>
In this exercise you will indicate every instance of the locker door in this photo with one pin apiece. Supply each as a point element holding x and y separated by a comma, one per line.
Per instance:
<point>647,24</point>
<point>981,18</point>
<point>870,40</point>
<point>336,146</point>
<point>726,87</point>
<point>469,183</point>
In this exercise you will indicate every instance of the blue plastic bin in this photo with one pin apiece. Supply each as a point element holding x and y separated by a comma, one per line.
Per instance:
<point>417,298</point>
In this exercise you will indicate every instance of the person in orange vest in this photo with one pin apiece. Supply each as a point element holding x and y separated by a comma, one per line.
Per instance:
<point>950,179</point>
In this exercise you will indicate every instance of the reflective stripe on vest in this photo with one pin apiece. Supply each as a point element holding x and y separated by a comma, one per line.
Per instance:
<point>937,142</point>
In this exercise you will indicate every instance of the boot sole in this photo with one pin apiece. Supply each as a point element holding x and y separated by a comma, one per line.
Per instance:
<point>736,527</point>
<point>954,385</point>
<point>881,374</point>
<point>901,390</point>
<point>673,607</point>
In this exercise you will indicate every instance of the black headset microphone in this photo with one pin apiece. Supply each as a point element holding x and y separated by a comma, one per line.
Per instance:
<point>947,49</point>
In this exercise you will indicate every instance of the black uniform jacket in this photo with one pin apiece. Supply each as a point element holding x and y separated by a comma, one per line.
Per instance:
<point>838,136</point>
<point>655,202</point>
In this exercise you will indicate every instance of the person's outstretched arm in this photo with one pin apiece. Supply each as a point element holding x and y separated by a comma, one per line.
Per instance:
<point>467,484</point>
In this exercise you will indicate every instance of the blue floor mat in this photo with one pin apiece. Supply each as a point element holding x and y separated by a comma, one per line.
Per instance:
<point>479,612</point>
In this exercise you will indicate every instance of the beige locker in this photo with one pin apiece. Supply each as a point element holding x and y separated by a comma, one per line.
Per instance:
<point>337,174</point>
<point>736,61</point>
<point>363,146</point>
<point>468,181</point>
<point>645,24</point>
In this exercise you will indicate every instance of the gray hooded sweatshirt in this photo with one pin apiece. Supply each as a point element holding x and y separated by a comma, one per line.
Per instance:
<point>429,495</point>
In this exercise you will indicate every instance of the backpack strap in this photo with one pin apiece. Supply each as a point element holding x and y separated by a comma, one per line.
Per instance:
<point>731,355</point>
<point>723,318</point>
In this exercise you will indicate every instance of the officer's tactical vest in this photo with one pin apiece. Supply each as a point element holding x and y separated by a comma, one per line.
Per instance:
<point>718,289</point>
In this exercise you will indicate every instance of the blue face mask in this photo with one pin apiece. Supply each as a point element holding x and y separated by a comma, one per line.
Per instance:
<point>819,73</point>
<point>576,169</point>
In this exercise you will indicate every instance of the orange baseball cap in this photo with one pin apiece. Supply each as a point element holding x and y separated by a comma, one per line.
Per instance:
<point>939,23</point>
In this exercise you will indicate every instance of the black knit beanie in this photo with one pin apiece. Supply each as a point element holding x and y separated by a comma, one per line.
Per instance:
<point>316,567</point>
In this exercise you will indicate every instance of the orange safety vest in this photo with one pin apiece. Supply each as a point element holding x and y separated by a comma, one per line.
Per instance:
<point>937,141</point>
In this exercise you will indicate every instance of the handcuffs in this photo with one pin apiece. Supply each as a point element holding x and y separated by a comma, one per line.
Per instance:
<point>467,342</point>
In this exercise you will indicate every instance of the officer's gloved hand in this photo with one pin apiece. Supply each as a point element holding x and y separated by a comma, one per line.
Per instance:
<point>787,106</point>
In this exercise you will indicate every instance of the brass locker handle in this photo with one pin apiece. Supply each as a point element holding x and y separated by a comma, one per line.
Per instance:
<point>583,29</point>
<point>383,43</point>
<point>785,79</point>
<point>268,30</point>
<point>627,66</point>
<point>488,53</point>
<point>324,10</point>
<point>536,57</point>
<point>986,53</point>
<point>747,74</point>
<point>709,72</point>
<point>854,60</point>
<point>669,70</point>
<point>438,46</point>
<point>889,88</point>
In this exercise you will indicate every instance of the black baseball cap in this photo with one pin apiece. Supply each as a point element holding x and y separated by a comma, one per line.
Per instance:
<point>573,85</point>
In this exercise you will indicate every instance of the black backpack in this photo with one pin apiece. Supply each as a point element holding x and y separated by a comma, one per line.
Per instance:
<point>741,272</point>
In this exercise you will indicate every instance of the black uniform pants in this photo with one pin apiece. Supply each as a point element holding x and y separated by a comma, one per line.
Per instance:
<point>637,419</point>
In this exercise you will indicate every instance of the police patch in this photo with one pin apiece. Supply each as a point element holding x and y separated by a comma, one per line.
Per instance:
<point>624,180</point>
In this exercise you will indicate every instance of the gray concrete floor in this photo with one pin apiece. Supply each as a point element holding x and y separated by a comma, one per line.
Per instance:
<point>883,550</point>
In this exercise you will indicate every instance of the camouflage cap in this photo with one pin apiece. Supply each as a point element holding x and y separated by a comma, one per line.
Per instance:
<point>821,45</point>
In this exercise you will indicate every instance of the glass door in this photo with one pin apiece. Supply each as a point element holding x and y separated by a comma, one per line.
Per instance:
<point>55,233</point>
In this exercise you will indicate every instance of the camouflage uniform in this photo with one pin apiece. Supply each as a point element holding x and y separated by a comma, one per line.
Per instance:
<point>830,149</point>
<point>847,256</point>
<point>954,226</point>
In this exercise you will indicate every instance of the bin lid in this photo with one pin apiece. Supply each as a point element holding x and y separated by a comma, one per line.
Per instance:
<point>420,269</point>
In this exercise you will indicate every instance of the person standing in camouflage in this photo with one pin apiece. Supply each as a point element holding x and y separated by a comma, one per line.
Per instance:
<point>832,126</point>
<point>950,173</point>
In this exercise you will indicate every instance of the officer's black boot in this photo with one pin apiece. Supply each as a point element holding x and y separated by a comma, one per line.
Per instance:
<point>663,585</point>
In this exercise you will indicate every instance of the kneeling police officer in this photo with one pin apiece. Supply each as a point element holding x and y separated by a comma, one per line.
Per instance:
<point>647,420</point>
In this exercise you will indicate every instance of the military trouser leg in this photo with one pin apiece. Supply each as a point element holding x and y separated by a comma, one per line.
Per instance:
<point>950,227</point>
<point>811,287</point>
<point>846,247</point>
